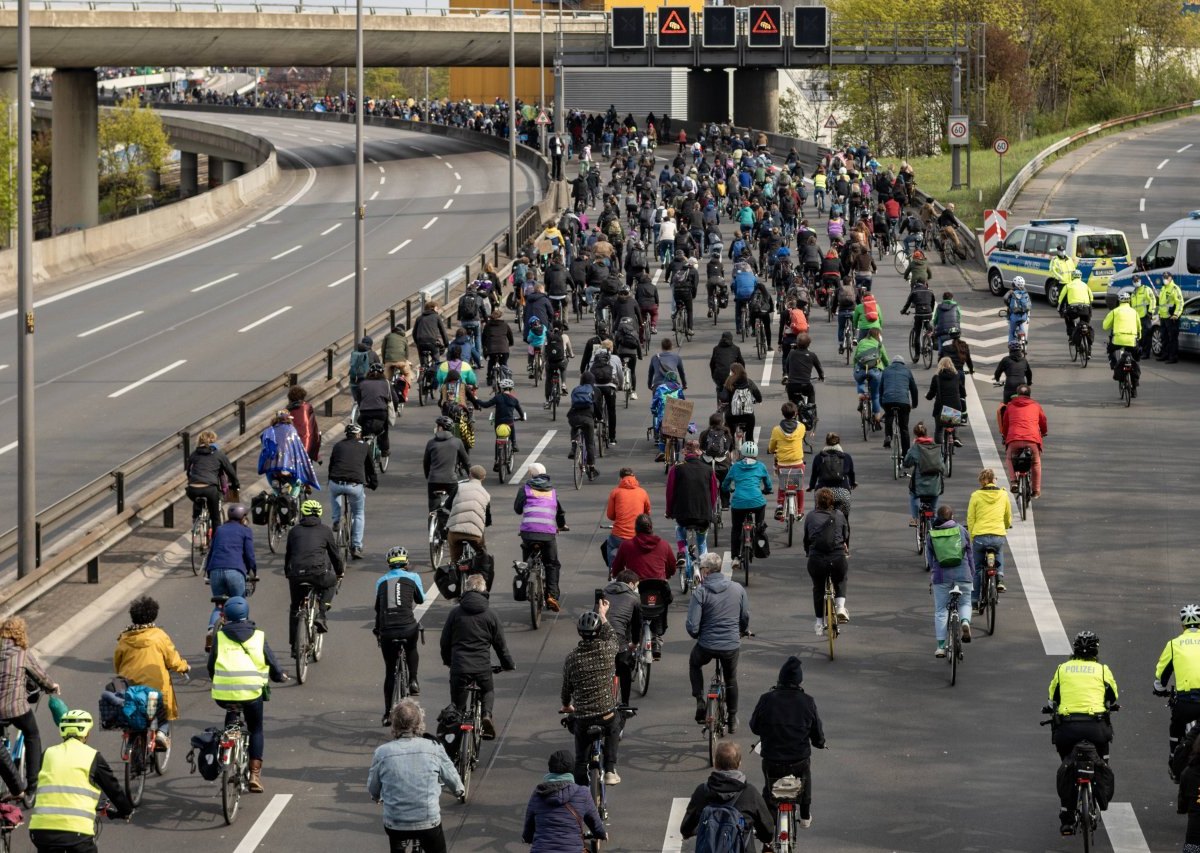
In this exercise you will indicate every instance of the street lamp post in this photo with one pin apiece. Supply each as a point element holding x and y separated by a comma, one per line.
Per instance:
<point>542,73</point>
<point>559,111</point>
<point>512,130</point>
<point>26,493</point>
<point>907,112</point>
<point>360,212</point>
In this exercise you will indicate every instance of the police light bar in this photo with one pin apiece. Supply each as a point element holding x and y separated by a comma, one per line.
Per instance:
<point>1072,222</point>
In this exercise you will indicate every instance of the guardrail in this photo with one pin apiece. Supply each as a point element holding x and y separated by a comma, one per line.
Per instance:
<point>74,532</point>
<point>298,8</point>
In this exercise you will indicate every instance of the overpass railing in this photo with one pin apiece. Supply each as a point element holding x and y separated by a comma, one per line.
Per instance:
<point>259,7</point>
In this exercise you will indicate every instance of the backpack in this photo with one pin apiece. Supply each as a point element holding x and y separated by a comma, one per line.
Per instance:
<point>626,338</point>
<point>582,397</point>
<point>205,756</point>
<point>847,296</point>
<point>360,360</point>
<point>783,275</point>
<point>554,349</point>
<point>833,468</point>
<point>716,444</point>
<point>1019,303</point>
<point>947,545</point>
<point>723,829</point>
<point>797,322</point>
<point>870,308</point>
<point>760,302</point>
<point>742,402</point>
<point>714,269</point>
<point>601,367</point>
<point>868,358</point>
<point>614,228</point>
<point>929,459</point>
<point>638,259</point>
<point>679,279</point>
<point>468,307</point>
<point>824,540</point>
<point>141,704</point>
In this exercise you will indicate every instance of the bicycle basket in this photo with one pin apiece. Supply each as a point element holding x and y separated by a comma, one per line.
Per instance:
<point>1023,460</point>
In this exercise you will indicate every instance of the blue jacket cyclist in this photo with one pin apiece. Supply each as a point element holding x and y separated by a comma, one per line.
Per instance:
<point>230,560</point>
<point>747,481</point>
<point>396,626</point>
<point>240,664</point>
<point>72,778</point>
<point>407,775</point>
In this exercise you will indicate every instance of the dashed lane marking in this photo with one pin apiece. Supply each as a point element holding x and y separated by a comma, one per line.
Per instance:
<point>1184,148</point>
<point>1141,205</point>
<point>131,386</point>
<point>1149,181</point>
<point>673,841</point>
<point>262,320</point>
<point>110,324</point>
<point>374,195</point>
<point>398,248</point>
<point>429,224</point>
<point>341,280</point>
<point>523,469</point>
<point>1145,234</point>
<point>10,446</point>
<point>286,252</point>
<point>260,828</point>
<point>214,282</point>
<point>1124,833</point>
<point>331,229</point>
<point>1163,163</point>
<point>449,202</point>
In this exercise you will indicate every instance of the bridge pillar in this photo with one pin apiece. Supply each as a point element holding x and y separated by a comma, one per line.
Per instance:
<point>222,171</point>
<point>189,174</point>
<point>756,98</point>
<point>75,202</point>
<point>708,95</point>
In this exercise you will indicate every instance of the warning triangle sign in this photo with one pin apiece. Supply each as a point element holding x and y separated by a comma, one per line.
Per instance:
<point>765,25</point>
<point>673,25</point>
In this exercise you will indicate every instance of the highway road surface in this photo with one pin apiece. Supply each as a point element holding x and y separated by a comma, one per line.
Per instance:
<point>133,351</point>
<point>912,763</point>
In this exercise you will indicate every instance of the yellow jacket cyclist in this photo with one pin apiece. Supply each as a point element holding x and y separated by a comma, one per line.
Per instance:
<point>1075,301</point>
<point>72,778</point>
<point>1125,331</point>
<point>989,516</point>
<point>1180,660</point>
<point>240,664</point>
<point>787,446</point>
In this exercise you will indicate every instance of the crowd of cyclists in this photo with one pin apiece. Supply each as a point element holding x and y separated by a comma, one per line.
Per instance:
<point>645,229</point>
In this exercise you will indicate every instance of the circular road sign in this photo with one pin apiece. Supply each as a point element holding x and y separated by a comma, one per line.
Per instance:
<point>1000,146</point>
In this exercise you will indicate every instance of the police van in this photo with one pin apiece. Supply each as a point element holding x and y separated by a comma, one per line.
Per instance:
<point>1098,252</point>
<point>1176,250</point>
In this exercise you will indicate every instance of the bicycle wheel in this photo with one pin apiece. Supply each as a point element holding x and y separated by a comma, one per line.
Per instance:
<point>463,763</point>
<point>506,462</point>
<point>231,789</point>
<point>678,330</point>
<point>1085,352</point>
<point>1085,817</point>
<point>199,540</point>
<point>990,602</point>
<point>640,674</point>
<point>747,556</point>
<point>555,394</point>
<point>318,643</point>
<point>537,598</point>
<point>790,511</point>
<point>864,417</point>
<point>1072,348</point>
<point>914,345</point>
<point>920,528</point>
<point>900,261</point>
<point>580,465</point>
<point>927,353</point>
<point>954,644</point>
<point>437,547</point>
<point>1026,495</point>
<point>273,528</point>
<point>717,523</point>
<point>847,342</point>
<point>897,459</point>
<point>831,629</point>
<point>135,768</point>
<point>711,714</point>
<point>1126,393</point>
<point>302,651</point>
<point>343,533</point>
<point>760,341</point>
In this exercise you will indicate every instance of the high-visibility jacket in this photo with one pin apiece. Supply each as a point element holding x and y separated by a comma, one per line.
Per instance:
<point>1075,293</point>
<point>1144,301</point>
<point>1170,300</point>
<point>66,796</point>
<point>1181,659</point>
<point>1124,324</point>
<point>1061,269</point>
<point>1081,687</point>
<point>240,670</point>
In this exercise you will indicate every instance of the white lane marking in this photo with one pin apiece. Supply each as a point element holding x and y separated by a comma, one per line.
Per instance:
<point>1124,833</point>
<point>448,166</point>
<point>1145,233</point>
<point>523,468</point>
<point>3,366</point>
<point>374,195</point>
<point>109,324</point>
<point>1184,148</point>
<point>373,160</point>
<point>260,828</point>
<point>429,224</point>
<point>286,252</point>
<point>1141,205</point>
<point>270,316</point>
<point>415,147</point>
<point>382,181</point>
<point>11,445</point>
<point>1163,163</point>
<point>985,327</point>
<point>341,280</point>
<point>398,248</point>
<point>1148,182</point>
<point>381,169</point>
<point>1022,538</point>
<point>987,342</point>
<point>308,183</point>
<point>727,563</point>
<point>985,312</point>
<point>421,609</point>
<point>339,145</point>
<point>331,229</point>
<point>214,282</point>
<point>768,365</point>
<point>436,156</point>
<point>146,379</point>
<point>457,176</point>
<point>449,202</point>
<point>673,841</point>
<point>458,189</point>
<point>316,139</point>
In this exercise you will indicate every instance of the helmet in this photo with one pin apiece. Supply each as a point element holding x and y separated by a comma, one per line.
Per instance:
<point>75,723</point>
<point>1019,282</point>
<point>1086,644</point>
<point>353,430</point>
<point>398,556</point>
<point>535,322</point>
<point>1189,614</point>
<point>311,507</point>
<point>918,255</point>
<point>588,625</point>
<point>375,368</point>
<point>1077,274</point>
<point>1013,346</point>
<point>507,385</point>
<point>235,512</point>
<point>236,609</point>
<point>1123,296</point>
<point>624,291</point>
<point>749,448</point>
<point>444,422</point>
<point>503,431</point>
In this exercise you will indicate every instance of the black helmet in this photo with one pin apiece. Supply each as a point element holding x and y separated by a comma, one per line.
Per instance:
<point>1086,645</point>
<point>589,625</point>
<point>444,422</point>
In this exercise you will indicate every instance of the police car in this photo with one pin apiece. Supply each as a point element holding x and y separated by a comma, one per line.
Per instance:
<point>1098,252</point>
<point>1177,251</point>
<point>1189,329</point>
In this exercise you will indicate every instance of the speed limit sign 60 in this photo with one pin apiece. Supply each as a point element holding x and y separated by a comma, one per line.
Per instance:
<point>958,130</point>
<point>1000,146</point>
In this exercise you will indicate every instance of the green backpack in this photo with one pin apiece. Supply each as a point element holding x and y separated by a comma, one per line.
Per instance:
<point>947,546</point>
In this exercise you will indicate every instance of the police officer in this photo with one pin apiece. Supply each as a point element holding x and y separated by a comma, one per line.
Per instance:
<point>1170,307</point>
<point>1145,303</point>
<point>1124,332</point>
<point>1075,303</point>
<point>396,626</point>
<point>70,783</point>
<point>1180,660</point>
<point>1061,267</point>
<point>1081,692</point>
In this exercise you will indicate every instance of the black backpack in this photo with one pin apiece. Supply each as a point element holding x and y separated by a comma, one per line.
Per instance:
<point>638,259</point>
<point>824,540</point>
<point>833,468</point>
<point>716,444</point>
<point>468,307</point>
<point>679,279</point>
<point>626,337</point>
<point>601,368</point>
<point>554,349</point>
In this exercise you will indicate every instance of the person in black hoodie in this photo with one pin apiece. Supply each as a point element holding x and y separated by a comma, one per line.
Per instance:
<point>1015,369</point>
<point>471,631</point>
<point>497,342</point>
<point>205,467</point>
<point>312,559</point>
<point>786,719</point>
<point>727,785</point>
<point>429,331</point>
<point>724,355</point>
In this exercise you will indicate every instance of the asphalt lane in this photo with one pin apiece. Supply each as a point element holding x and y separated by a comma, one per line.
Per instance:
<point>236,311</point>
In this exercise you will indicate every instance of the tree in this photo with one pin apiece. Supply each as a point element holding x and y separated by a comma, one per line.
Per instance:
<point>789,114</point>
<point>133,145</point>
<point>8,171</point>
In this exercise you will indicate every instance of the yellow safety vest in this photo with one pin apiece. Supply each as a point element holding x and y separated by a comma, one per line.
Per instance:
<point>819,180</point>
<point>66,797</point>
<point>1125,325</point>
<point>1170,301</point>
<point>1183,654</point>
<point>240,670</point>
<point>1144,302</point>
<point>1081,686</point>
<point>1062,268</point>
<point>1075,293</point>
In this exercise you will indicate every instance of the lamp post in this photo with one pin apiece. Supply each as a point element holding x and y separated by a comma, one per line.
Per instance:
<point>907,111</point>
<point>360,212</point>
<point>512,130</point>
<point>542,73</point>
<point>26,493</point>
<point>559,111</point>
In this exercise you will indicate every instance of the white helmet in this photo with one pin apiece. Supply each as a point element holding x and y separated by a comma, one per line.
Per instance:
<point>1189,614</point>
<point>1019,282</point>
<point>749,449</point>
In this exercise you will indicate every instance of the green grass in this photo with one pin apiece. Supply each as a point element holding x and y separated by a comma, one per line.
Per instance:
<point>933,173</point>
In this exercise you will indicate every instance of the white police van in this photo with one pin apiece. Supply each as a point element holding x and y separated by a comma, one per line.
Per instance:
<point>1176,250</point>
<point>1098,252</point>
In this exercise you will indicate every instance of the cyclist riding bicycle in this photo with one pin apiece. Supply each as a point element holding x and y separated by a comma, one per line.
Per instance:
<point>921,301</point>
<point>311,560</point>
<point>397,592</point>
<point>989,517</point>
<point>444,455</point>
<point>827,545</point>
<point>283,460</point>
<point>583,415</point>
<point>1125,332</point>
<point>726,788</point>
<point>240,648</point>
<point>1023,426</point>
<point>587,692</point>
<point>718,615</point>
<point>1082,691</point>
<point>1075,304</point>
<point>429,332</point>
<point>470,634</point>
<point>508,409</point>
<point>230,561</point>
<point>378,401</point>
<point>351,473</point>
<point>928,479</point>
<point>787,446</point>
<point>787,721</point>
<point>542,517</point>
<point>559,808</point>
<point>1180,660</point>
<point>145,655</point>
<point>691,493</point>
<point>949,561</point>
<point>1018,304</point>
<point>206,468</point>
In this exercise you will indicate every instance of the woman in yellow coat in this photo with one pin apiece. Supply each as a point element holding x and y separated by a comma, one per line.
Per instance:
<point>787,445</point>
<point>146,655</point>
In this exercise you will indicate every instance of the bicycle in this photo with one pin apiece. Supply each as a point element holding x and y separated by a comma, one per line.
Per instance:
<point>691,559</point>
<point>438,517</point>
<point>539,367</point>
<point>579,466</point>
<point>954,629</point>
<point>883,243</point>
<point>864,415</point>
<point>402,678</point>
<point>6,831</point>
<point>924,522</point>
<point>921,344</point>
<point>471,729</point>
<point>1079,344</point>
<point>202,533</point>
<point>341,530</point>
<point>234,758</point>
<point>503,465</point>
<point>671,453</point>
<point>989,595</point>
<point>747,553</point>
<point>281,516</point>
<point>948,439</point>
<point>140,754</point>
<point>848,338</point>
<point>679,325</point>
<point>16,744</point>
<point>626,380</point>
<point>652,606</point>
<point>1125,376</point>
<point>791,484</point>
<point>595,763</point>
<point>760,338</point>
<point>743,320</point>
<point>310,642</point>
<point>535,586</point>
<point>377,458</point>
<point>1022,466</point>
<point>832,627</point>
<point>1022,331</point>
<point>427,377</point>
<point>1086,816</point>
<point>716,712</point>
<point>901,260</point>
<point>897,457</point>
<point>556,388</point>
<point>786,792</point>
<point>717,521</point>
